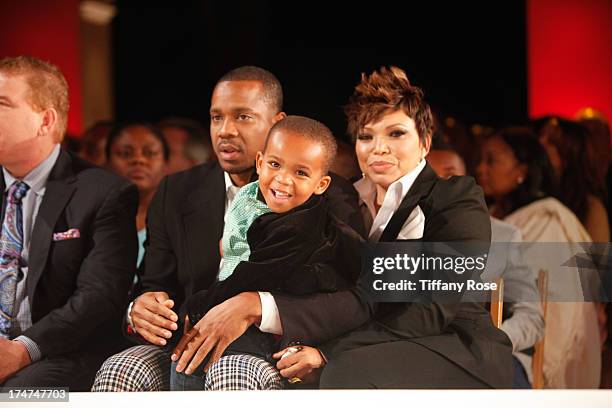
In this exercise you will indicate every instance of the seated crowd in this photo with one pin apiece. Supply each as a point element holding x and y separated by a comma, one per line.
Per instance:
<point>161,256</point>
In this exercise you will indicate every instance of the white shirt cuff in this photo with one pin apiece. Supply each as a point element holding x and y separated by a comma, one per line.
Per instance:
<point>270,318</point>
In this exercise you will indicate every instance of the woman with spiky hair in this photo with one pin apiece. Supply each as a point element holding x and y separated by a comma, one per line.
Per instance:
<point>451,344</point>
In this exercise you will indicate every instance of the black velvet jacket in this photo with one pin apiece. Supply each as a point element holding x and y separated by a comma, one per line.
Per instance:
<point>300,252</point>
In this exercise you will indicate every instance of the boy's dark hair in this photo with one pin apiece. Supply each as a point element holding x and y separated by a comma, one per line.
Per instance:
<point>273,91</point>
<point>311,129</point>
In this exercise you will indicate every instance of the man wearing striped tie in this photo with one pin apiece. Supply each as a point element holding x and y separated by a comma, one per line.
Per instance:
<point>67,239</point>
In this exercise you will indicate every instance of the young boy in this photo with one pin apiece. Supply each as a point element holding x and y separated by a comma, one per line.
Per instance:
<point>279,235</point>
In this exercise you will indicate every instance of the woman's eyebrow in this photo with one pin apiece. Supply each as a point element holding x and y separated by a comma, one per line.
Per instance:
<point>399,124</point>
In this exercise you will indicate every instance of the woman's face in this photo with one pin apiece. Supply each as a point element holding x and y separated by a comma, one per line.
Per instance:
<point>138,156</point>
<point>389,148</point>
<point>499,172</point>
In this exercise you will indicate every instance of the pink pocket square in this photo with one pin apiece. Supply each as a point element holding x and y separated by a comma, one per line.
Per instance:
<point>70,234</point>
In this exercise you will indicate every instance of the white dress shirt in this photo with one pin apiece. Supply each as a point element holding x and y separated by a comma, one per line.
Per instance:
<point>415,223</point>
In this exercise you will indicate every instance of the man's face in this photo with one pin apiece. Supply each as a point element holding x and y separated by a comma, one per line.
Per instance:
<point>291,170</point>
<point>240,120</point>
<point>19,123</point>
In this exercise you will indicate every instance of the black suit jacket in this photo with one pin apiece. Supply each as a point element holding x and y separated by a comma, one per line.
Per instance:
<point>462,332</point>
<point>77,288</point>
<point>185,224</point>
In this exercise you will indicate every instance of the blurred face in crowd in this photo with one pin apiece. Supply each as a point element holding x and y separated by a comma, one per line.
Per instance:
<point>97,155</point>
<point>138,155</point>
<point>499,171</point>
<point>177,140</point>
<point>291,169</point>
<point>446,163</point>
<point>240,119</point>
<point>20,124</point>
<point>345,164</point>
<point>549,140</point>
<point>390,148</point>
<point>93,144</point>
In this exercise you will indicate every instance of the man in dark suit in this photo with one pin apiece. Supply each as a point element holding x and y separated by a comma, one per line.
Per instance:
<point>67,243</point>
<point>185,224</point>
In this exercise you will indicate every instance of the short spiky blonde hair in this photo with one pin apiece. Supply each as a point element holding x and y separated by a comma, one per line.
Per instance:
<point>385,90</point>
<point>48,87</point>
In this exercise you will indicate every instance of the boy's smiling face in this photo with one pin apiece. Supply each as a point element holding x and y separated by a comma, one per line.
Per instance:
<point>291,170</point>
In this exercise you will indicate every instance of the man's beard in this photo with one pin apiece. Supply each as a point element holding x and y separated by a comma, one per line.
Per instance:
<point>238,169</point>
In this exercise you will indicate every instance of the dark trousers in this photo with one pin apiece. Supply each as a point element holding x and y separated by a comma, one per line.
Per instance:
<point>76,372</point>
<point>399,364</point>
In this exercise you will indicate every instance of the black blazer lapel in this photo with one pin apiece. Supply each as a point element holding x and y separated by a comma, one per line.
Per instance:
<point>202,218</point>
<point>58,190</point>
<point>420,188</point>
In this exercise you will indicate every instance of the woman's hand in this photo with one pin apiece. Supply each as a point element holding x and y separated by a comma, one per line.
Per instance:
<point>305,364</point>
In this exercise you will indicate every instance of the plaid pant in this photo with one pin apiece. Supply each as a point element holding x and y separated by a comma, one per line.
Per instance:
<point>242,372</point>
<point>147,368</point>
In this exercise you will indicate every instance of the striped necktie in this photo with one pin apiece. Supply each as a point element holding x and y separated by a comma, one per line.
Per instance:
<point>11,244</point>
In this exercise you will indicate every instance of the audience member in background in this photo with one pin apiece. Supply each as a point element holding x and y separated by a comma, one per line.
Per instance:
<point>572,151</point>
<point>600,132</point>
<point>67,241</point>
<point>452,132</point>
<point>517,177</point>
<point>445,161</point>
<point>600,138</point>
<point>71,143</point>
<point>138,152</point>
<point>523,321</point>
<point>93,142</point>
<point>346,164</point>
<point>582,186</point>
<point>189,144</point>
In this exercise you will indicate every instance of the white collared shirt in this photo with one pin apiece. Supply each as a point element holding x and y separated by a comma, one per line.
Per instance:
<point>414,225</point>
<point>230,192</point>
